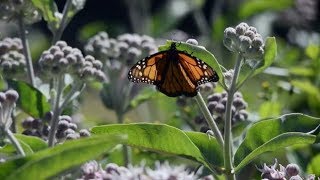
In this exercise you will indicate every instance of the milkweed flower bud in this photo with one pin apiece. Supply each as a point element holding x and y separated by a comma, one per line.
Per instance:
<point>11,96</point>
<point>192,41</point>
<point>7,104</point>
<point>292,170</point>
<point>241,28</point>
<point>10,10</point>
<point>12,61</point>
<point>84,133</point>
<point>245,40</point>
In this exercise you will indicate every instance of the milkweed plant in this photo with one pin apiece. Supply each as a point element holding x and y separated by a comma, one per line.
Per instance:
<point>50,142</point>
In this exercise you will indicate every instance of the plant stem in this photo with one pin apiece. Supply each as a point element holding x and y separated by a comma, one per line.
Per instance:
<point>77,86</point>
<point>125,148</point>
<point>227,127</point>
<point>26,50</point>
<point>57,35</point>
<point>209,119</point>
<point>56,113</point>
<point>15,142</point>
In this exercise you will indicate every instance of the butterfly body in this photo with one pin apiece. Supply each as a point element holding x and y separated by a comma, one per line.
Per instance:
<point>174,72</point>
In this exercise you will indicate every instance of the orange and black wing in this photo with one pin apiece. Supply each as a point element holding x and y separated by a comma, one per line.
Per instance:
<point>149,70</point>
<point>196,70</point>
<point>183,76</point>
<point>176,82</point>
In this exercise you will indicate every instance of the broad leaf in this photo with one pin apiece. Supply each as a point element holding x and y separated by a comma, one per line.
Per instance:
<point>208,146</point>
<point>29,144</point>
<point>49,11</point>
<point>35,143</point>
<point>199,52</point>
<point>273,134</point>
<point>313,166</point>
<point>31,100</point>
<point>161,138</point>
<point>50,162</point>
<point>254,67</point>
<point>270,53</point>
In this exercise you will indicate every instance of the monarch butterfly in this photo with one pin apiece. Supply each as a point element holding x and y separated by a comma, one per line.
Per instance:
<point>174,72</point>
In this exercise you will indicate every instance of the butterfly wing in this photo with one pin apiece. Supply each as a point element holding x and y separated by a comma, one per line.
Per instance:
<point>149,70</point>
<point>176,82</point>
<point>196,70</point>
<point>174,72</point>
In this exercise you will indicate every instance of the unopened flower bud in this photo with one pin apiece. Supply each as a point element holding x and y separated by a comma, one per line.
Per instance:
<point>100,76</point>
<point>253,29</point>
<point>133,52</point>
<point>12,95</point>
<point>123,46</point>
<point>67,50</point>
<point>71,58</point>
<point>27,123</point>
<point>212,105</point>
<point>97,64</point>
<point>63,125</point>
<point>73,126</point>
<point>245,43</point>
<point>192,41</point>
<point>239,103</point>
<point>54,49</point>
<point>292,170</point>
<point>69,131</point>
<point>257,42</point>
<point>65,117</point>
<point>89,58</point>
<point>214,97</point>
<point>84,133</point>
<point>297,177</point>
<point>61,44</point>
<point>220,108</point>
<point>48,116</point>
<point>241,28</point>
<point>3,97</point>
<point>230,33</point>
<point>58,55</point>
<point>250,34</point>
<point>72,136</point>
<point>63,62</point>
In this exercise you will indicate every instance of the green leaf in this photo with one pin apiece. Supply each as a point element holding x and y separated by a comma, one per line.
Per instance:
<point>312,92</point>
<point>196,51</point>
<point>313,166</point>
<point>313,51</point>
<point>31,100</point>
<point>302,71</point>
<point>35,143</point>
<point>160,138</point>
<point>29,144</point>
<point>307,87</point>
<point>273,134</point>
<point>270,53</point>
<point>251,7</point>
<point>50,162</point>
<point>208,146</point>
<point>253,67</point>
<point>48,9</point>
<point>270,109</point>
